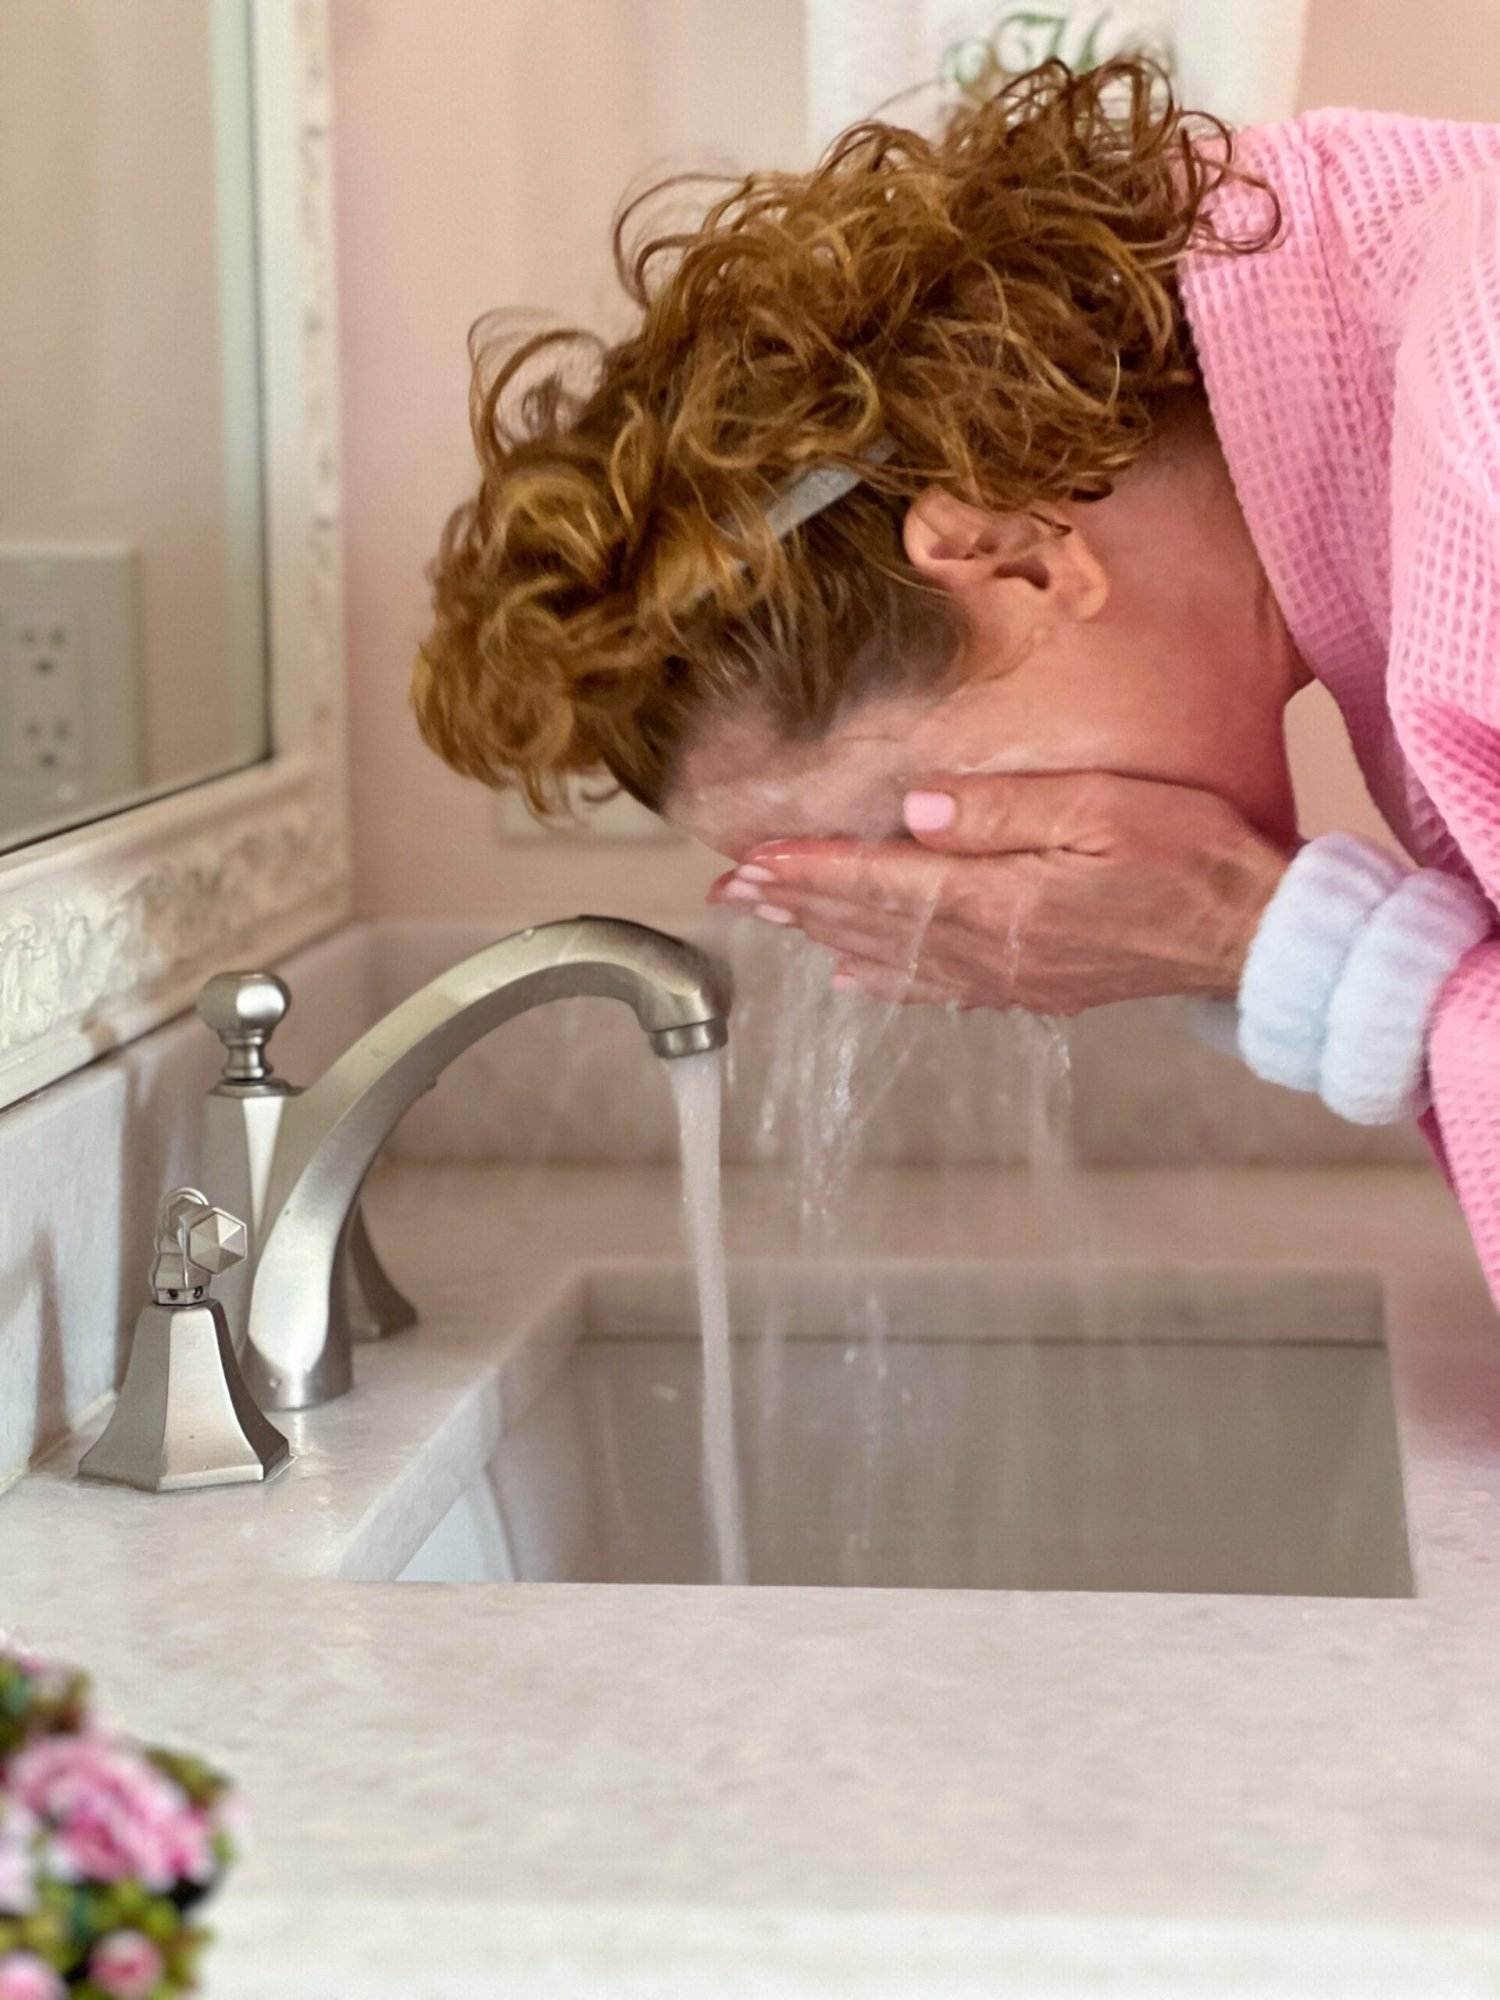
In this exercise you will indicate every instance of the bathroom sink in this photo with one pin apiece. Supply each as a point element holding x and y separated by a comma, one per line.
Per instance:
<point>957,1427</point>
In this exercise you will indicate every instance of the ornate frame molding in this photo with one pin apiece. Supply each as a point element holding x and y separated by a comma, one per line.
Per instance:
<point>109,929</point>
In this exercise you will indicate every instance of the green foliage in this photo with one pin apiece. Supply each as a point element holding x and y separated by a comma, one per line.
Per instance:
<point>37,1700</point>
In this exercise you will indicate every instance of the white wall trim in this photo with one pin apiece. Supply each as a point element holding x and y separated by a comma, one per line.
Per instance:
<point>110,928</point>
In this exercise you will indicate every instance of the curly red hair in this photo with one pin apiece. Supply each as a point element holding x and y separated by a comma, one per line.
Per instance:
<point>999,301</point>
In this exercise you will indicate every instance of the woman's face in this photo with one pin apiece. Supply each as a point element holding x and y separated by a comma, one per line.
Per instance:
<point>1145,642</point>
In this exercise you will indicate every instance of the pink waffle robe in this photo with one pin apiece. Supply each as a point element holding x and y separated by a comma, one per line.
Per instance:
<point>1353,372</point>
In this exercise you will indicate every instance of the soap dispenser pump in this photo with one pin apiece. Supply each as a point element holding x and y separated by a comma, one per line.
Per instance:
<point>184,1417</point>
<point>241,1121</point>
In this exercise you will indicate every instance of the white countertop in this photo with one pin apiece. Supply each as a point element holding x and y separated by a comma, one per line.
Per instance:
<point>580,1790</point>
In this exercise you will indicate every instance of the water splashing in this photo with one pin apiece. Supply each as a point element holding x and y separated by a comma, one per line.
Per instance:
<point>824,1086</point>
<point>697,1087</point>
<point>833,1065</point>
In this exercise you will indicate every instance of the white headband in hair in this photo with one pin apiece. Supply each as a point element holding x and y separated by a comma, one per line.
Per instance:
<point>811,491</point>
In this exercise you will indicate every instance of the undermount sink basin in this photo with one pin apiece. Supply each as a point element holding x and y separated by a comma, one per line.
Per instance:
<point>958,1427</point>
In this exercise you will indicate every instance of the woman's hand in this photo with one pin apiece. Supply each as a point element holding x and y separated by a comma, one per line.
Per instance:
<point>1052,893</point>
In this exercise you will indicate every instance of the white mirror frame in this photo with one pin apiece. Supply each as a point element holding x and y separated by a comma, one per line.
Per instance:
<point>109,929</point>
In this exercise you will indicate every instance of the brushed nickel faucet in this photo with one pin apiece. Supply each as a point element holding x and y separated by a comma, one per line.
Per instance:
<point>297,1348</point>
<point>241,1119</point>
<point>184,1417</point>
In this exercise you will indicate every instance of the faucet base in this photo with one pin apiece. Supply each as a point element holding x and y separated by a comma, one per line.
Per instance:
<point>184,1418</point>
<point>376,1306</point>
<point>300,1389</point>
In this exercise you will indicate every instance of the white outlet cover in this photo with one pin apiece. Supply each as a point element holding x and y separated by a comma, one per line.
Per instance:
<point>45,727</point>
<point>93,588</point>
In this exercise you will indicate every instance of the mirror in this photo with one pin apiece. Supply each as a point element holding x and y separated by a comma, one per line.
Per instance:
<point>132,573</point>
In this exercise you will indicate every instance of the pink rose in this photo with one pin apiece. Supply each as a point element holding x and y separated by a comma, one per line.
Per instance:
<point>23,1976</point>
<point>111,1814</point>
<point>190,1847</point>
<point>126,1965</point>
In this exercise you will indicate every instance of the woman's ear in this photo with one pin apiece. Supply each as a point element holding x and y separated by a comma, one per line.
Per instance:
<point>1009,562</point>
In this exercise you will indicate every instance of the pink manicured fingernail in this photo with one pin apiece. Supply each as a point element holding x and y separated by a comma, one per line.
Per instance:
<point>751,871</point>
<point>768,914</point>
<point>737,890</point>
<point>928,812</point>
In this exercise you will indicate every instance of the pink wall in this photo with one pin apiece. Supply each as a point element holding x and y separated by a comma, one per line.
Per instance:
<point>451,116</point>
<point>1394,55</point>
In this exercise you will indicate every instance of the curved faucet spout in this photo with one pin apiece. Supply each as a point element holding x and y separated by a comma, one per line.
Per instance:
<point>297,1353</point>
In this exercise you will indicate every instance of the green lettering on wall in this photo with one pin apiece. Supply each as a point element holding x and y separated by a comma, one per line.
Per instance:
<point>1023,37</point>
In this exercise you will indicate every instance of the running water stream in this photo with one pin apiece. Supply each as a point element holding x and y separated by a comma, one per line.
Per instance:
<point>836,1070</point>
<point>697,1086</point>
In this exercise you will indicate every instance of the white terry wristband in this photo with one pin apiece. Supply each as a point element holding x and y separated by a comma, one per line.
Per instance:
<point>1344,972</point>
<point>1328,894</point>
<point>1375,1053</point>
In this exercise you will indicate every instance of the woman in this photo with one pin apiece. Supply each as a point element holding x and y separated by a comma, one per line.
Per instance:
<point>947,540</point>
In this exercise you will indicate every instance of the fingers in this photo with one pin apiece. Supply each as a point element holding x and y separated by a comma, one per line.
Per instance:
<point>890,955</point>
<point>862,931</point>
<point>890,875</point>
<point>896,954</point>
<point>932,967</point>
<point>849,929</point>
<point>1083,811</point>
<point>921,938</point>
<point>874,981</point>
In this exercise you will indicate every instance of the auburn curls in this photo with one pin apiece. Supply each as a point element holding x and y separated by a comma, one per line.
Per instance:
<point>999,301</point>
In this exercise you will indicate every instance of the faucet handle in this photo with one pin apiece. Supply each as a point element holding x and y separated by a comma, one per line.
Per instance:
<point>183,1416</point>
<point>244,1010</point>
<point>194,1242</point>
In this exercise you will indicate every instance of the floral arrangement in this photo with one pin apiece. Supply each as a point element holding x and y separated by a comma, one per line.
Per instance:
<point>106,1848</point>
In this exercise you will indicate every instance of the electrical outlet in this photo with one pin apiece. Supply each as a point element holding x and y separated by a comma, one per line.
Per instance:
<point>46,689</point>
<point>70,683</point>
